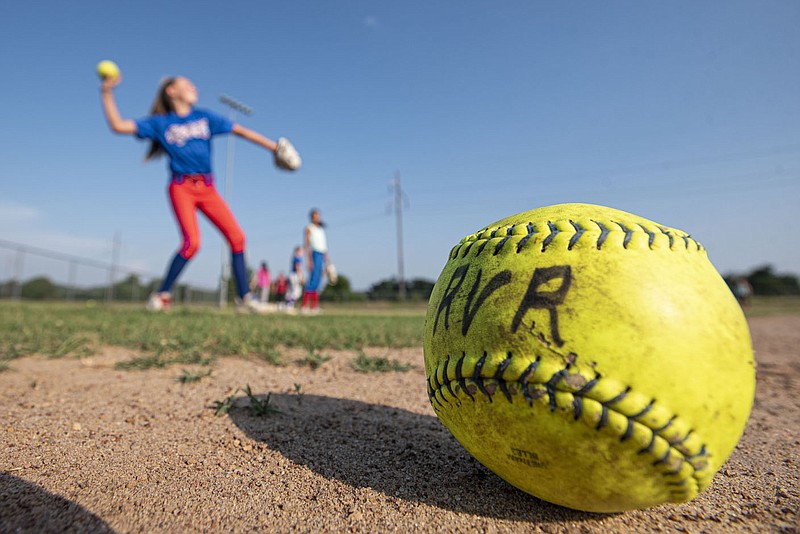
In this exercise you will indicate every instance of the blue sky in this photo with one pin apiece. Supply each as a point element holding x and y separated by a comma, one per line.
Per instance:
<point>686,113</point>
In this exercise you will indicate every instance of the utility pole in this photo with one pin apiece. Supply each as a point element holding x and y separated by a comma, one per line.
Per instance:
<point>399,197</point>
<point>225,269</point>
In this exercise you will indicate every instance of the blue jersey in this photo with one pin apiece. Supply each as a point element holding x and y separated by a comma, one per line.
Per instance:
<point>187,140</point>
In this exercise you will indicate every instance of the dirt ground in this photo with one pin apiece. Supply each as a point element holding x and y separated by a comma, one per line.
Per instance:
<point>86,447</point>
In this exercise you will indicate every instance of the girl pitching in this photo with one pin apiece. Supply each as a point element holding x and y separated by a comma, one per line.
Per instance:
<point>183,132</point>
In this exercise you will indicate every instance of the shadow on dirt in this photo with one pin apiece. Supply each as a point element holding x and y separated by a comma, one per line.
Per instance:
<point>25,507</point>
<point>393,451</point>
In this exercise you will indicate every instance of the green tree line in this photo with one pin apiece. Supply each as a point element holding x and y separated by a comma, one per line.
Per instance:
<point>764,281</point>
<point>133,289</point>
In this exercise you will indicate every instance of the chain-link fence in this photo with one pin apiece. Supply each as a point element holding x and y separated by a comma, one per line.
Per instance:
<point>32,273</point>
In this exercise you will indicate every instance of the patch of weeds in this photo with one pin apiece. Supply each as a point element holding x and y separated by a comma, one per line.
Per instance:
<point>298,393</point>
<point>12,350</point>
<point>260,407</point>
<point>141,363</point>
<point>188,376</point>
<point>271,356</point>
<point>79,344</point>
<point>314,359</point>
<point>160,360</point>
<point>367,364</point>
<point>193,357</point>
<point>4,366</point>
<point>221,407</point>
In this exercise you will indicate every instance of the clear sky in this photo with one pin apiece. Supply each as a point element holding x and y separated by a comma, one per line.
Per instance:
<point>686,113</point>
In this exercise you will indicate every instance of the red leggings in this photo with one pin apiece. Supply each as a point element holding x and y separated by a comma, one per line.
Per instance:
<point>190,196</point>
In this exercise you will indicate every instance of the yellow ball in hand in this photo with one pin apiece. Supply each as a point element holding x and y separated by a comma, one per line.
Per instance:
<point>590,357</point>
<point>107,69</point>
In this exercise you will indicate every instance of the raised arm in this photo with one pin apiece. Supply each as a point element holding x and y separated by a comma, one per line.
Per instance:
<point>115,121</point>
<point>254,137</point>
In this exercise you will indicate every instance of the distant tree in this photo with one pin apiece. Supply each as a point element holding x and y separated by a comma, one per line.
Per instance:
<point>7,288</point>
<point>384,290</point>
<point>420,289</point>
<point>129,289</point>
<point>341,292</point>
<point>416,289</point>
<point>766,282</point>
<point>39,288</point>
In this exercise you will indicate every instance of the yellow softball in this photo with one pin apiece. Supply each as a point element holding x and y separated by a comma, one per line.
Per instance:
<point>107,69</point>
<point>590,357</point>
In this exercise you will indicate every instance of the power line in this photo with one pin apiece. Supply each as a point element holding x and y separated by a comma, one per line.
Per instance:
<point>608,173</point>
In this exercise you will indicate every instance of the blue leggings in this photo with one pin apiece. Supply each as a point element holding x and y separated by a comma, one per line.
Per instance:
<point>316,274</point>
<point>179,262</point>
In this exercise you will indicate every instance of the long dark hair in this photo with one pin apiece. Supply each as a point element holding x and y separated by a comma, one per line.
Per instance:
<point>162,105</point>
<point>311,217</point>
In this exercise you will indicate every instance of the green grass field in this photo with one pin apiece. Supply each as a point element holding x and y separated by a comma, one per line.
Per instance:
<point>766,306</point>
<point>200,335</point>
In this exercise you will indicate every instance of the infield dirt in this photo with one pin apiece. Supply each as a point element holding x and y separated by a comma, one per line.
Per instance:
<point>87,447</point>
